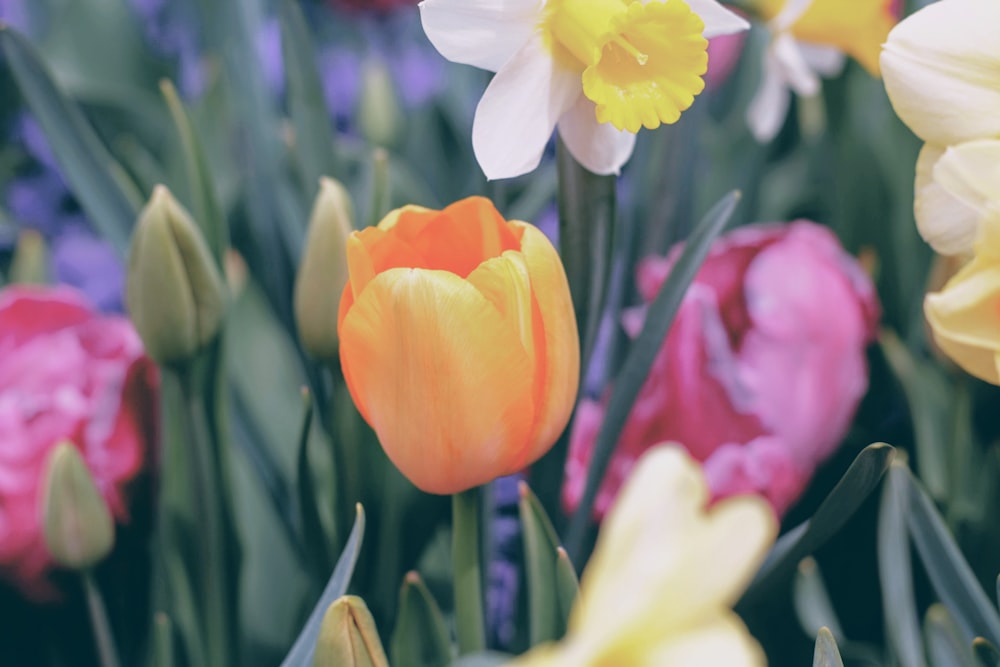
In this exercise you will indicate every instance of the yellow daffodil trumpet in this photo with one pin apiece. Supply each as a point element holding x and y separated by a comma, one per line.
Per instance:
<point>458,342</point>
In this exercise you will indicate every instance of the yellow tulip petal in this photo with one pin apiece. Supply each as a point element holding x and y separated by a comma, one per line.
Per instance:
<point>561,375</point>
<point>970,172</point>
<point>944,221</point>
<point>723,640</point>
<point>431,363</point>
<point>967,310</point>
<point>941,67</point>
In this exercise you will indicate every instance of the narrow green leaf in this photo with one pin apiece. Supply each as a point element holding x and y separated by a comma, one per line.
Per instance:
<point>540,557</point>
<point>946,647</point>
<point>567,584</point>
<point>204,202</point>
<point>844,500</point>
<point>895,570</point>
<point>163,640</point>
<point>950,574</point>
<point>421,637</point>
<point>381,186</point>
<point>640,358</point>
<point>812,601</point>
<point>96,179</point>
<point>313,533</point>
<point>301,654</point>
<point>827,654</point>
<point>314,139</point>
<point>986,653</point>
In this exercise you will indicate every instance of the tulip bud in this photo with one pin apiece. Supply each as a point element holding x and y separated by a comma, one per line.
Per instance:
<point>30,264</point>
<point>79,530</point>
<point>348,637</point>
<point>379,107</point>
<point>323,271</point>
<point>174,291</point>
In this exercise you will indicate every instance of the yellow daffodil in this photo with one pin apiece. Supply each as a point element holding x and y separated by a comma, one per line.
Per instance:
<point>458,342</point>
<point>809,40</point>
<point>666,571</point>
<point>965,315</point>
<point>599,69</point>
<point>941,67</point>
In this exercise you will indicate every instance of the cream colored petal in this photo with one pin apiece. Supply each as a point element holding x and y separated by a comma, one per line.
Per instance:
<point>978,361</point>
<point>941,67</point>
<point>481,33</point>
<point>599,147</point>
<point>722,640</point>
<point>947,224</point>
<point>967,310</point>
<point>678,562</point>
<point>971,173</point>
<point>718,20</point>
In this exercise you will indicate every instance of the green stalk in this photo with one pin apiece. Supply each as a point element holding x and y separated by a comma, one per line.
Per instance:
<point>106,650</point>
<point>469,625</point>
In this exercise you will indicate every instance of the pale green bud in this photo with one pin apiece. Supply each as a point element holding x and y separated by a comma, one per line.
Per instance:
<point>30,263</point>
<point>323,271</point>
<point>379,112</point>
<point>348,637</point>
<point>175,293</point>
<point>79,531</point>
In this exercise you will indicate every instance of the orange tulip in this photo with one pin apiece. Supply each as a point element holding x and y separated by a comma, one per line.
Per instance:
<point>458,342</point>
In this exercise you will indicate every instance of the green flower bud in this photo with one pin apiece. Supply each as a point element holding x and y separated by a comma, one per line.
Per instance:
<point>174,291</point>
<point>323,270</point>
<point>79,531</point>
<point>30,264</point>
<point>379,110</point>
<point>348,637</point>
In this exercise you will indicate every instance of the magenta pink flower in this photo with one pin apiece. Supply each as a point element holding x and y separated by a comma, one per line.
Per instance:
<point>760,374</point>
<point>66,373</point>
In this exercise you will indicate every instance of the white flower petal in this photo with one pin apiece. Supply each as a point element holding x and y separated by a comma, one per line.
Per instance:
<point>718,20</point>
<point>597,146</point>
<point>481,33</point>
<point>826,61</point>
<point>947,224</point>
<point>941,68</point>
<point>769,106</point>
<point>794,68</point>
<point>519,110</point>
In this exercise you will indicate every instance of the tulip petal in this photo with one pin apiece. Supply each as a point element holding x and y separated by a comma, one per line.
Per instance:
<point>519,110</point>
<point>718,20</point>
<point>704,557</point>
<point>430,363</point>
<point>481,33</point>
<point>970,172</point>
<point>561,376</point>
<point>967,310</point>
<point>599,147</point>
<point>941,67</point>
<point>723,640</point>
<point>944,221</point>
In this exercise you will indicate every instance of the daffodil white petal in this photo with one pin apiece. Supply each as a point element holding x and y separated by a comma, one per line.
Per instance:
<point>718,20</point>
<point>941,68</point>
<point>944,221</point>
<point>826,61</point>
<point>769,106</point>
<point>481,33</point>
<point>794,67</point>
<point>597,146</point>
<point>519,110</point>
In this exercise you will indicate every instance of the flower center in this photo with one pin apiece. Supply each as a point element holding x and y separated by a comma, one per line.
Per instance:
<point>642,64</point>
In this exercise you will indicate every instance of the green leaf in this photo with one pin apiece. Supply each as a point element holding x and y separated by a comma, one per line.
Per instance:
<point>946,647</point>
<point>895,571</point>
<point>827,654</point>
<point>847,496</point>
<point>96,179</point>
<point>313,532</point>
<point>204,202</point>
<point>421,637</point>
<point>640,358</point>
<point>314,139</point>
<point>812,601</point>
<point>301,654</point>
<point>540,561</point>
<point>482,659</point>
<point>163,641</point>
<point>947,569</point>
<point>567,584</point>
<point>986,654</point>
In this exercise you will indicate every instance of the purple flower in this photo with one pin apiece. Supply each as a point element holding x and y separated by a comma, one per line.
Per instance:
<point>83,260</point>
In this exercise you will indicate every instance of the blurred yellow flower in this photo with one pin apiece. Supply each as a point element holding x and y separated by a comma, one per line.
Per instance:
<point>600,69</point>
<point>666,571</point>
<point>458,342</point>
<point>941,67</point>
<point>809,40</point>
<point>965,315</point>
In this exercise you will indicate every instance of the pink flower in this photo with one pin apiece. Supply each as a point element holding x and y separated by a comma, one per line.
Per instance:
<point>66,373</point>
<point>724,53</point>
<point>761,373</point>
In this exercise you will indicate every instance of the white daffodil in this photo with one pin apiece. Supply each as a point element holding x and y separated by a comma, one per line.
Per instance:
<point>810,40</point>
<point>599,69</point>
<point>659,588</point>
<point>941,67</point>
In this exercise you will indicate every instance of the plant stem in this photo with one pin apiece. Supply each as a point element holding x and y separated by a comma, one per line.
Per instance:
<point>106,650</point>
<point>469,625</point>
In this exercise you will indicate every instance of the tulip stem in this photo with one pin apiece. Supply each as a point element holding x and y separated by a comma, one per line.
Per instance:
<point>106,650</point>
<point>469,625</point>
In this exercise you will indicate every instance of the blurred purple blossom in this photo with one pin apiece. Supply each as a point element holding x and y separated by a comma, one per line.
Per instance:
<point>81,259</point>
<point>16,13</point>
<point>502,575</point>
<point>170,29</point>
